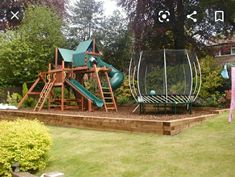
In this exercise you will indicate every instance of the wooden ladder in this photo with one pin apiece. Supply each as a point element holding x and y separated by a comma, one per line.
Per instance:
<point>107,93</point>
<point>43,95</point>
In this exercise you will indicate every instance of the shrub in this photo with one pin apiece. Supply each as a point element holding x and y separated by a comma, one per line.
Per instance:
<point>26,142</point>
<point>211,81</point>
<point>29,102</point>
<point>225,99</point>
<point>123,94</point>
<point>13,99</point>
<point>216,100</point>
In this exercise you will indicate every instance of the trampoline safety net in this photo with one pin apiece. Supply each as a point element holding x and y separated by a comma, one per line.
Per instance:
<point>165,76</point>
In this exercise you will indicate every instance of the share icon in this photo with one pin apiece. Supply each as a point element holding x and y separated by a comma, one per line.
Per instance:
<point>190,16</point>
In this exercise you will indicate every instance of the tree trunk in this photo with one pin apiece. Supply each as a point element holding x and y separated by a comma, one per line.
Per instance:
<point>178,29</point>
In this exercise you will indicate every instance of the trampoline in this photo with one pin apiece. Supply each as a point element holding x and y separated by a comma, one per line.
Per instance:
<point>165,77</point>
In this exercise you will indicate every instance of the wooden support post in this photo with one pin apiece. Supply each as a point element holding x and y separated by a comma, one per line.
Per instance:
<point>62,87</point>
<point>82,102</point>
<point>89,106</point>
<point>30,90</point>
<point>56,57</point>
<point>49,102</point>
<point>63,65</point>
<point>49,96</point>
<point>93,50</point>
<point>49,67</point>
<point>62,97</point>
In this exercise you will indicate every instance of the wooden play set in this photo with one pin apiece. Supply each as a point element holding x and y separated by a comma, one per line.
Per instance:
<point>69,73</point>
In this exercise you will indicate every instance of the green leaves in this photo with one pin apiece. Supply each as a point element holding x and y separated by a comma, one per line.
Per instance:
<point>211,82</point>
<point>123,94</point>
<point>28,50</point>
<point>179,32</point>
<point>111,33</point>
<point>210,72</point>
<point>117,41</point>
<point>23,141</point>
<point>86,17</point>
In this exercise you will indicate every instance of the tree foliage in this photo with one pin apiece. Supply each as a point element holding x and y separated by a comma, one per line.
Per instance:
<point>123,94</point>
<point>85,19</point>
<point>57,5</point>
<point>28,50</point>
<point>111,33</point>
<point>179,32</point>
<point>116,40</point>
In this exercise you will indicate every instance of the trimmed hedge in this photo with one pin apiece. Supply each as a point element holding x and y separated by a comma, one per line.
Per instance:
<point>26,142</point>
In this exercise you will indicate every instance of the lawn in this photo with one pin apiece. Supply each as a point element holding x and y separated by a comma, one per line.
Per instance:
<point>207,150</point>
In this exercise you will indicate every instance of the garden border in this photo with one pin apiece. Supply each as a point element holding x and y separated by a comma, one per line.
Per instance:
<point>167,127</point>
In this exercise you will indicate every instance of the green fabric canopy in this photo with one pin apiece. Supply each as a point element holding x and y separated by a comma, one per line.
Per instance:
<point>77,56</point>
<point>83,46</point>
<point>66,54</point>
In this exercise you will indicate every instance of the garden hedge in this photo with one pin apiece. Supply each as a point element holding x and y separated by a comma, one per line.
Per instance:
<point>26,142</point>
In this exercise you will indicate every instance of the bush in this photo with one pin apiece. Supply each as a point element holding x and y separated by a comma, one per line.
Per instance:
<point>23,141</point>
<point>13,99</point>
<point>211,82</point>
<point>215,100</point>
<point>123,94</point>
<point>225,99</point>
<point>29,102</point>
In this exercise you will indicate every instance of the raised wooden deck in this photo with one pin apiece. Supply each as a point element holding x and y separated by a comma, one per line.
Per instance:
<point>169,127</point>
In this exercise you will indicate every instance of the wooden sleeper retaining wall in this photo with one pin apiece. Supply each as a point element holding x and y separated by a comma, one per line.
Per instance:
<point>171,127</point>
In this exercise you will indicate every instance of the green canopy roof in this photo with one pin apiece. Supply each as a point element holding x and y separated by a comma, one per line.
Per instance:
<point>83,46</point>
<point>66,54</point>
<point>76,56</point>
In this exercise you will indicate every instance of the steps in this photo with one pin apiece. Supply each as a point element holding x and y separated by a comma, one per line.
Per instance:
<point>107,93</point>
<point>108,99</point>
<point>43,95</point>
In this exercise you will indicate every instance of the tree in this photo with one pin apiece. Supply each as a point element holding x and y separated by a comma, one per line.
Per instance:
<point>27,51</point>
<point>85,19</point>
<point>111,33</point>
<point>57,5</point>
<point>179,32</point>
<point>116,41</point>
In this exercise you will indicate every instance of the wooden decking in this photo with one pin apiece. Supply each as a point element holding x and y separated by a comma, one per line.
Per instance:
<point>168,127</point>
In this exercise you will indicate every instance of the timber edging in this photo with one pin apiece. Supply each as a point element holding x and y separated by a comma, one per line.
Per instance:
<point>169,127</point>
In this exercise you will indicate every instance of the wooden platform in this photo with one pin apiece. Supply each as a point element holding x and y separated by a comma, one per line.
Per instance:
<point>169,127</point>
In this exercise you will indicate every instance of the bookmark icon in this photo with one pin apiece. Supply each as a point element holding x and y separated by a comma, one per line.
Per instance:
<point>219,16</point>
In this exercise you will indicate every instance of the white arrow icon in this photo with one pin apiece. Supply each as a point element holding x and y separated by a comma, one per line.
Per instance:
<point>189,16</point>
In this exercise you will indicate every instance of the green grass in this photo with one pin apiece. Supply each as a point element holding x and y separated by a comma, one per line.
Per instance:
<point>207,150</point>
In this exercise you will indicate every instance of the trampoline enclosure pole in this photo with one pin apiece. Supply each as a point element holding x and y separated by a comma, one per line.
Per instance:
<point>165,74</point>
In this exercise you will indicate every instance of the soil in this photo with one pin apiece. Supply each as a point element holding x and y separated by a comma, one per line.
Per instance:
<point>151,113</point>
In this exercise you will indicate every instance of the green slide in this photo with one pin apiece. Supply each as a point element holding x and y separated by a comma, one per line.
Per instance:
<point>81,89</point>
<point>116,76</point>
